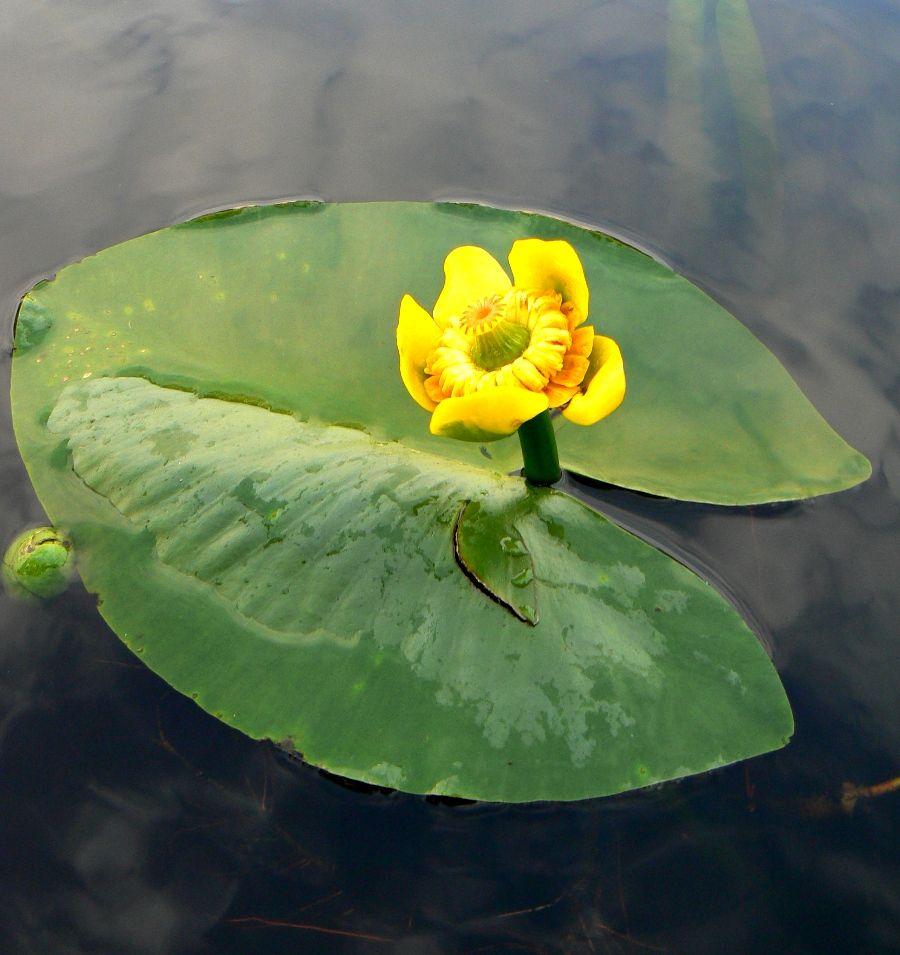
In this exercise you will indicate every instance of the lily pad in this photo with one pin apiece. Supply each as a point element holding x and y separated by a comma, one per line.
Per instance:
<point>294,306</point>
<point>302,582</point>
<point>214,414</point>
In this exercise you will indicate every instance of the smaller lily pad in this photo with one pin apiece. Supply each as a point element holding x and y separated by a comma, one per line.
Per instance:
<point>294,307</point>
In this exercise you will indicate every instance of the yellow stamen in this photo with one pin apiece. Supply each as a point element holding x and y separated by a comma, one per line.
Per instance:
<point>523,338</point>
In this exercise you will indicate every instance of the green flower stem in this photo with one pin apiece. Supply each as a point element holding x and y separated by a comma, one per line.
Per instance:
<point>539,452</point>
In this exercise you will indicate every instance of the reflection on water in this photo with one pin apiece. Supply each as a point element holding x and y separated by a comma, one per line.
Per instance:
<point>720,130</point>
<point>755,145</point>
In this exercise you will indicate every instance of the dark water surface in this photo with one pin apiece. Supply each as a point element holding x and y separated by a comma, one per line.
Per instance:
<point>762,163</point>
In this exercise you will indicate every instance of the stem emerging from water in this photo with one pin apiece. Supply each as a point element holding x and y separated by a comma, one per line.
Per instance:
<point>539,453</point>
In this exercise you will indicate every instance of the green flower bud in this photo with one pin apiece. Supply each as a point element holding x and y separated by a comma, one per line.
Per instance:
<point>38,564</point>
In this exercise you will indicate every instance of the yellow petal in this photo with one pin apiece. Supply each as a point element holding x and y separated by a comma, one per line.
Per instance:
<point>488,414</point>
<point>470,274</point>
<point>555,265</point>
<point>558,395</point>
<point>574,371</point>
<point>604,384</point>
<point>417,337</point>
<point>582,341</point>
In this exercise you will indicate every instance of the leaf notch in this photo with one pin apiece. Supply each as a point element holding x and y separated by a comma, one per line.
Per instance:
<point>490,551</point>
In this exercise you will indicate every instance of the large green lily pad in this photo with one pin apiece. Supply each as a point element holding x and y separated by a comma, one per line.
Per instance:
<point>311,585</point>
<point>214,414</point>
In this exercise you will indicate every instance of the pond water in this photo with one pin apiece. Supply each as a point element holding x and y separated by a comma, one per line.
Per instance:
<point>752,146</point>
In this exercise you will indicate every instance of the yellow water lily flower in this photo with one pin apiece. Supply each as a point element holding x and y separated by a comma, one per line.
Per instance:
<point>497,353</point>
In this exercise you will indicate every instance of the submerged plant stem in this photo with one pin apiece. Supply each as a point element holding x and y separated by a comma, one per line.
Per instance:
<point>539,454</point>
